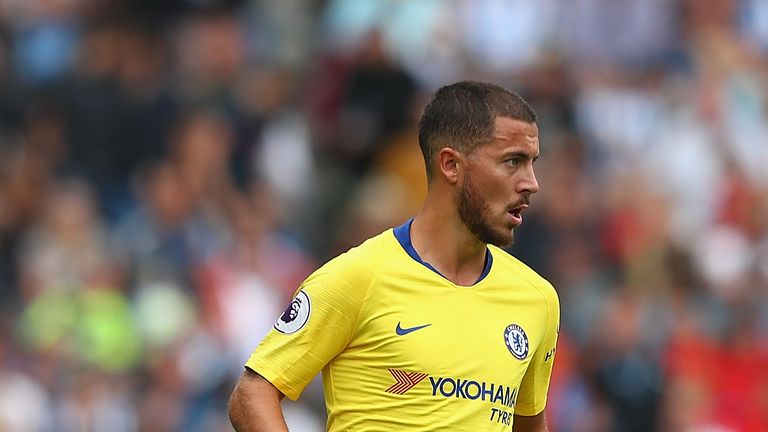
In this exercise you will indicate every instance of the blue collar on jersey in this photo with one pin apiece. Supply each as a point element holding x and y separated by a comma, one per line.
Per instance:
<point>403,236</point>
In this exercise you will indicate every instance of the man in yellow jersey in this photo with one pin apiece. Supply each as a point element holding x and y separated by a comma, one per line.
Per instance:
<point>429,326</point>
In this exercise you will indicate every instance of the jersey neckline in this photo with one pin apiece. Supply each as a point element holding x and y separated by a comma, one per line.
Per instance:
<point>403,236</point>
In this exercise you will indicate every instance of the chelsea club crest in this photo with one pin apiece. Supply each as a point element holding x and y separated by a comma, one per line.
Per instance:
<point>517,341</point>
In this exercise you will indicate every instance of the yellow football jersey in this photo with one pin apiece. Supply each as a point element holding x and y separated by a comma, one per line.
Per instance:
<point>403,348</point>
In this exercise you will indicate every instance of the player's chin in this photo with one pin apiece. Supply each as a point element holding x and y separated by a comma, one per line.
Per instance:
<point>509,240</point>
<point>504,237</point>
<point>509,233</point>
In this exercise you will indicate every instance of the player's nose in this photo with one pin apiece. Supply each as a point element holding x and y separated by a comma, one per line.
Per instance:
<point>528,183</point>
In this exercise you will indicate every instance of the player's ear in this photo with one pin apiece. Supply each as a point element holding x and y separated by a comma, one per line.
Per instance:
<point>448,164</point>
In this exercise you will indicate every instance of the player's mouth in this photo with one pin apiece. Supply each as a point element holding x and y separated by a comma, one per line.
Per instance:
<point>516,214</point>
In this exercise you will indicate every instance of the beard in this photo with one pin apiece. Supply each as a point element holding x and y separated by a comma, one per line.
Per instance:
<point>475,213</point>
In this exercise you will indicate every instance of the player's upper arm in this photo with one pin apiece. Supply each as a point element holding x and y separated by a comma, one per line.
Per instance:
<point>316,325</point>
<point>537,423</point>
<point>535,385</point>
<point>255,405</point>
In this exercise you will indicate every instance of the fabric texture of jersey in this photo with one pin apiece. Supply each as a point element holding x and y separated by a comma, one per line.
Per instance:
<point>403,348</point>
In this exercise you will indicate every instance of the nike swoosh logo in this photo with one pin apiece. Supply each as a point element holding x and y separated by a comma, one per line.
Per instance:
<point>404,331</point>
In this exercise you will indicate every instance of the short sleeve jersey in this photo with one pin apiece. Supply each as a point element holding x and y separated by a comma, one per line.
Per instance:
<point>401,347</point>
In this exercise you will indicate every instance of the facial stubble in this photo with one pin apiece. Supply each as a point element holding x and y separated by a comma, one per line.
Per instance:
<point>475,213</point>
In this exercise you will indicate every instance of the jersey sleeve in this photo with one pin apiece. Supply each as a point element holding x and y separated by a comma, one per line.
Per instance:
<point>532,397</point>
<point>317,325</point>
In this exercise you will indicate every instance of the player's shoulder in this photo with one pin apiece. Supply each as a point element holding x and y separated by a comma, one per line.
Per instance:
<point>364,258</point>
<point>513,267</point>
<point>372,249</point>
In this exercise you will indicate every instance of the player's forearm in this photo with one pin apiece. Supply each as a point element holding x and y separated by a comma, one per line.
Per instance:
<point>255,405</point>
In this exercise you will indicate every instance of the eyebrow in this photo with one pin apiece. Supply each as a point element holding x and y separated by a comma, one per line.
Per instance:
<point>520,155</point>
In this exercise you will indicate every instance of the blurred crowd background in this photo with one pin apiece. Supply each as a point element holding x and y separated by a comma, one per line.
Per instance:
<point>171,170</point>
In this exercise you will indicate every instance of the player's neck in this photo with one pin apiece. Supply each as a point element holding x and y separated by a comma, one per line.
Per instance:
<point>444,242</point>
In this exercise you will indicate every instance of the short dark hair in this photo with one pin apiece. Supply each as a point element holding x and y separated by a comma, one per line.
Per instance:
<point>463,115</point>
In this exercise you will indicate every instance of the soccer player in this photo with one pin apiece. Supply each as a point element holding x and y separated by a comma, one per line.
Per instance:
<point>429,326</point>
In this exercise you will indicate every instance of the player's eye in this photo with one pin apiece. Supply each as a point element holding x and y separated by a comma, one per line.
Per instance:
<point>512,161</point>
